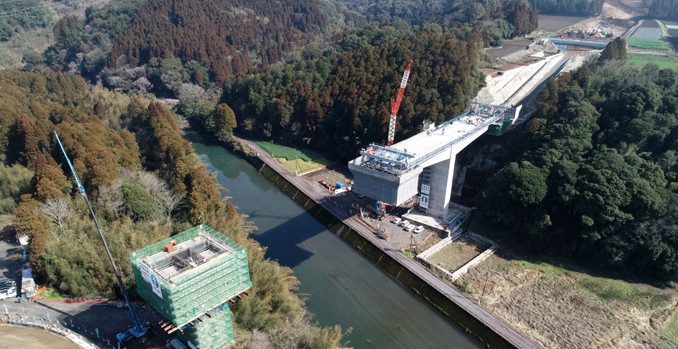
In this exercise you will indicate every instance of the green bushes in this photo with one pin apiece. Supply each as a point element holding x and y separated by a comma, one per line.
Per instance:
<point>15,181</point>
<point>139,203</point>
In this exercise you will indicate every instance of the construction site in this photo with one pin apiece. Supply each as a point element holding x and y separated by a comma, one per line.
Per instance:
<point>191,279</point>
<point>419,172</point>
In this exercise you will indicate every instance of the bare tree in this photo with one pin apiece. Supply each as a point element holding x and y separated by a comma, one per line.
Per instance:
<point>110,197</point>
<point>289,333</point>
<point>260,340</point>
<point>57,210</point>
<point>169,200</point>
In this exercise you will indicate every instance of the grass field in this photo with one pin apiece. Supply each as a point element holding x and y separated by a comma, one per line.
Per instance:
<point>671,330</point>
<point>295,160</point>
<point>660,61</point>
<point>648,44</point>
<point>49,293</point>
<point>561,307</point>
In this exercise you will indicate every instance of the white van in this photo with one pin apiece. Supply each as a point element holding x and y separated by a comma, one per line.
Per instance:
<point>8,292</point>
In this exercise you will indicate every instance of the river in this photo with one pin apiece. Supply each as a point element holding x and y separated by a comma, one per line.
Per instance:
<point>341,286</point>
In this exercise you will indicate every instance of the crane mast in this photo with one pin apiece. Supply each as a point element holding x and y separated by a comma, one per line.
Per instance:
<point>395,104</point>
<point>138,329</point>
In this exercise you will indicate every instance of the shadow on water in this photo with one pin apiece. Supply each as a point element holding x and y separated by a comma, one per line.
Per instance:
<point>287,237</point>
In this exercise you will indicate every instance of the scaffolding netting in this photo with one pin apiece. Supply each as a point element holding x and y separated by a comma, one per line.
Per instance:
<point>213,332</point>
<point>191,273</point>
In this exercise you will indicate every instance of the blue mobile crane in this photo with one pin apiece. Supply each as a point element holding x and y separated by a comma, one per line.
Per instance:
<point>138,328</point>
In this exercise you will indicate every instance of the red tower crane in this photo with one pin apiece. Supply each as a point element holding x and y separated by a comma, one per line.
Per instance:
<point>395,104</point>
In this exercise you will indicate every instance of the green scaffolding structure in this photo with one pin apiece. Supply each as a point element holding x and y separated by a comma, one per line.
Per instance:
<point>188,275</point>
<point>214,332</point>
<point>499,128</point>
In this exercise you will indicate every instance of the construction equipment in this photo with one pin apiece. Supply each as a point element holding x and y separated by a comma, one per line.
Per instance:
<point>138,329</point>
<point>395,104</point>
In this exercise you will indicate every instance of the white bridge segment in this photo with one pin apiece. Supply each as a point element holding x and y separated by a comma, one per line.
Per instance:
<point>391,174</point>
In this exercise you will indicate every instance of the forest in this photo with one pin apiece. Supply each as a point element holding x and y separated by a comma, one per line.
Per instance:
<point>20,15</point>
<point>337,105</point>
<point>569,7</point>
<point>595,178</point>
<point>111,44</point>
<point>662,9</point>
<point>145,183</point>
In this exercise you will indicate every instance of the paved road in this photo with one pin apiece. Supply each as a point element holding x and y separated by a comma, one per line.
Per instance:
<point>322,197</point>
<point>86,318</point>
<point>82,318</point>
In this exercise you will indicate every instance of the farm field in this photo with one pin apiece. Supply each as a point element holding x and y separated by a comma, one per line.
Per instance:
<point>551,23</point>
<point>648,30</point>
<point>295,160</point>
<point>648,44</point>
<point>672,31</point>
<point>660,61</point>
<point>456,254</point>
<point>648,33</point>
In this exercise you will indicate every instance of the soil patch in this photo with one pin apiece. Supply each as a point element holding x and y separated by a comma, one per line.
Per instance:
<point>32,338</point>
<point>509,47</point>
<point>623,8</point>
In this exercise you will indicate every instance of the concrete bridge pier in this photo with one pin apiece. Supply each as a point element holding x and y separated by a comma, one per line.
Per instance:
<point>442,176</point>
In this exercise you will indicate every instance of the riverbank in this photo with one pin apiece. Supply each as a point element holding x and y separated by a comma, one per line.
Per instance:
<point>472,318</point>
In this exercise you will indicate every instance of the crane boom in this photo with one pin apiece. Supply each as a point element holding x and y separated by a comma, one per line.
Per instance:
<point>138,329</point>
<point>395,104</point>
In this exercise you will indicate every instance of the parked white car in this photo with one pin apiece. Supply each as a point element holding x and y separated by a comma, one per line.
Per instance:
<point>8,292</point>
<point>396,220</point>
<point>409,227</point>
<point>404,223</point>
<point>419,229</point>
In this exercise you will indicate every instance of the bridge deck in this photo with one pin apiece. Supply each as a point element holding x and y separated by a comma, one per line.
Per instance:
<point>410,152</point>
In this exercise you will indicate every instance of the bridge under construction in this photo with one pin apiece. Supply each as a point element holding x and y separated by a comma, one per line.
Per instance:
<point>422,166</point>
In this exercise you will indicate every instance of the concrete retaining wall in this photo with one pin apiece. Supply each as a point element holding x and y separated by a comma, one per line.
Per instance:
<point>475,261</point>
<point>423,257</point>
<point>552,65</point>
<point>435,248</point>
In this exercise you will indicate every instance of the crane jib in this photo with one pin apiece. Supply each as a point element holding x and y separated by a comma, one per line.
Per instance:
<point>406,76</point>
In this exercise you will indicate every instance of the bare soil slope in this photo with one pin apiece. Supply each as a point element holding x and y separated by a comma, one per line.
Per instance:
<point>624,9</point>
